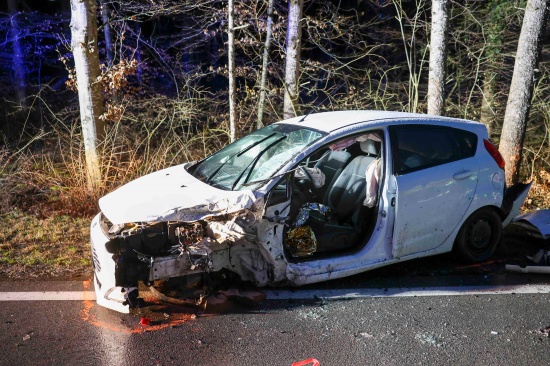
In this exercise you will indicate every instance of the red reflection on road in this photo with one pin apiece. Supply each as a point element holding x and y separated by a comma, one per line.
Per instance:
<point>158,321</point>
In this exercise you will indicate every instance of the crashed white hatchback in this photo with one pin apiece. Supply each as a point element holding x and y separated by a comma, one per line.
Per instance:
<point>309,199</point>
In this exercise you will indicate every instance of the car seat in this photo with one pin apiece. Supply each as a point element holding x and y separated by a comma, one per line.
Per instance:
<point>331,164</point>
<point>345,198</point>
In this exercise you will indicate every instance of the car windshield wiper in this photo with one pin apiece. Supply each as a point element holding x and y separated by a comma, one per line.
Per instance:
<point>268,178</point>
<point>255,161</point>
<point>237,154</point>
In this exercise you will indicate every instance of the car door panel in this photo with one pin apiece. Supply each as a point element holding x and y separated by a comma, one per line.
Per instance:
<point>432,194</point>
<point>430,204</point>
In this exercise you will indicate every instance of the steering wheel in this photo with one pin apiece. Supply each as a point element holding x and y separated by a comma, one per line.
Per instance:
<point>311,181</point>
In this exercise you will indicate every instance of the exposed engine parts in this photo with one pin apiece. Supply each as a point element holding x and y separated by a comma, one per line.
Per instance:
<point>151,251</point>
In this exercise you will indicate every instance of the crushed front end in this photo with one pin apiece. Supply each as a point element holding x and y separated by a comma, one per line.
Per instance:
<point>124,255</point>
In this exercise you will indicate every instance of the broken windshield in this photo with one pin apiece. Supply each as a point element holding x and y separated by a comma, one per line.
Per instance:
<point>255,157</point>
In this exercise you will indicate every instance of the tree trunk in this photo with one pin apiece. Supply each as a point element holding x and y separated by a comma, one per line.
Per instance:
<point>293,47</point>
<point>438,55</point>
<point>265,59</point>
<point>231,69</point>
<point>521,89</point>
<point>86,59</point>
<point>109,52</point>
<point>18,61</point>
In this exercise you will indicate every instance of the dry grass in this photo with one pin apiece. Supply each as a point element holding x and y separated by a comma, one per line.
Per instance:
<point>56,246</point>
<point>45,205</point>
<point>539,195</point>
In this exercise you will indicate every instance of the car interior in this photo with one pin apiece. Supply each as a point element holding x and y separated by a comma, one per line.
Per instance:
<point>336,212</point>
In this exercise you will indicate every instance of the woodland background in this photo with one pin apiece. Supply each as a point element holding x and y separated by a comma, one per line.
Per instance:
<point>164,80</point>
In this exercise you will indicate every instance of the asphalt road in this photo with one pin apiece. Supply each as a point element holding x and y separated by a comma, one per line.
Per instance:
<point>457,330</point>
<point>489,329</point>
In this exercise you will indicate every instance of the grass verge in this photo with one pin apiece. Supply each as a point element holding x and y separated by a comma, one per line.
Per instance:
<point>32,247</point>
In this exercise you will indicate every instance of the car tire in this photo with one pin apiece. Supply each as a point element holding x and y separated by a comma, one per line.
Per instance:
<point>479,236</point>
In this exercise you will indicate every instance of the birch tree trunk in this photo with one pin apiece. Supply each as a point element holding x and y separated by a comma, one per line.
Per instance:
<point>293,48</point>
<point>521,89</point>
<point>86,59</point>
<point>18,63</point>
<point>265,61</point>
<point>231,69</point>
<point>438,55</point>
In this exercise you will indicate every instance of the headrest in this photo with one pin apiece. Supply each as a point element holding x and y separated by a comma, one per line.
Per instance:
<point>369,147</point>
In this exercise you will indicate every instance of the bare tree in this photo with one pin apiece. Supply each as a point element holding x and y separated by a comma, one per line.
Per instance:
<point>109,52</point>
<point>521,89</point>
<point>231,68</point>
<point>265,61</point>
<point>293,48</point>
<point>438,55</point>
<point>18,63</point>
<point>86,59</point>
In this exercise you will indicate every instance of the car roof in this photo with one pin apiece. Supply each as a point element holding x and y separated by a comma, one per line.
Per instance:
<point>332,121</point>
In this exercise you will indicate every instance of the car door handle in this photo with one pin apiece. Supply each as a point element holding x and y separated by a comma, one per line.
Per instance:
<point>463,174</point>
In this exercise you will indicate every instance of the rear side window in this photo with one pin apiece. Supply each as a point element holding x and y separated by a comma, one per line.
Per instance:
<point>418,147</point>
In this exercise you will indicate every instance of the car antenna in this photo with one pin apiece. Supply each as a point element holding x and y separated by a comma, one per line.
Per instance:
<point>315,107</point>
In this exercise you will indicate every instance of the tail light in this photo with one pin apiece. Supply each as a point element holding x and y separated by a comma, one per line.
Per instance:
<point>493,151</point>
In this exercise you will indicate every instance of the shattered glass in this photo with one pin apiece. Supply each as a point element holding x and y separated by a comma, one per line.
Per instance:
<point>301,241</point>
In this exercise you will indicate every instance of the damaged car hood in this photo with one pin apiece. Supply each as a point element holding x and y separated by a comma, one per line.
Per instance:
<point>171,194</point>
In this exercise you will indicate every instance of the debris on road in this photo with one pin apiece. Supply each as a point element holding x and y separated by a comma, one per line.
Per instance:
<point>430,339</point>
<point>366,335</point>
<point>528,269</point>
<point>145,321</point>
<point>242,297</point>
<point>541,259</point>
<point>545,332</point>
<point>198,302</point>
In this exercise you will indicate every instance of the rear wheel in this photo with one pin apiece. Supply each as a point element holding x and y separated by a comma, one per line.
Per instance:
<point>479,236</point>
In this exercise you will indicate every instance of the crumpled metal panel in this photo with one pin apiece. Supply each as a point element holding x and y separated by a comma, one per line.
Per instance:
<point>539,219</point>
<point>172,266</point>
<point>171,194</point>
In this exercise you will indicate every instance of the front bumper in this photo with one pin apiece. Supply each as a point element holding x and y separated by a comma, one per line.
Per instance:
<point>108,294</point>
<point>117,268</point>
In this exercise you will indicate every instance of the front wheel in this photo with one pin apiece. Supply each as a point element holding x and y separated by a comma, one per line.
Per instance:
<point>479,236</point>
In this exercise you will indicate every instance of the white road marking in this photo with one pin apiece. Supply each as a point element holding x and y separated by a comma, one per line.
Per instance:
<point>47,296</point>
<point>407,292</point>
<point>312,294</point>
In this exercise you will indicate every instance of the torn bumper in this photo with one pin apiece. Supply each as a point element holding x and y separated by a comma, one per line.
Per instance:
<point>537,223</point>
<point>513,200</point>
<point>118,267</point>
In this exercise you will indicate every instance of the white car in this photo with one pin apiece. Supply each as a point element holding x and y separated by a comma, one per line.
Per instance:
<point>308,199</point>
